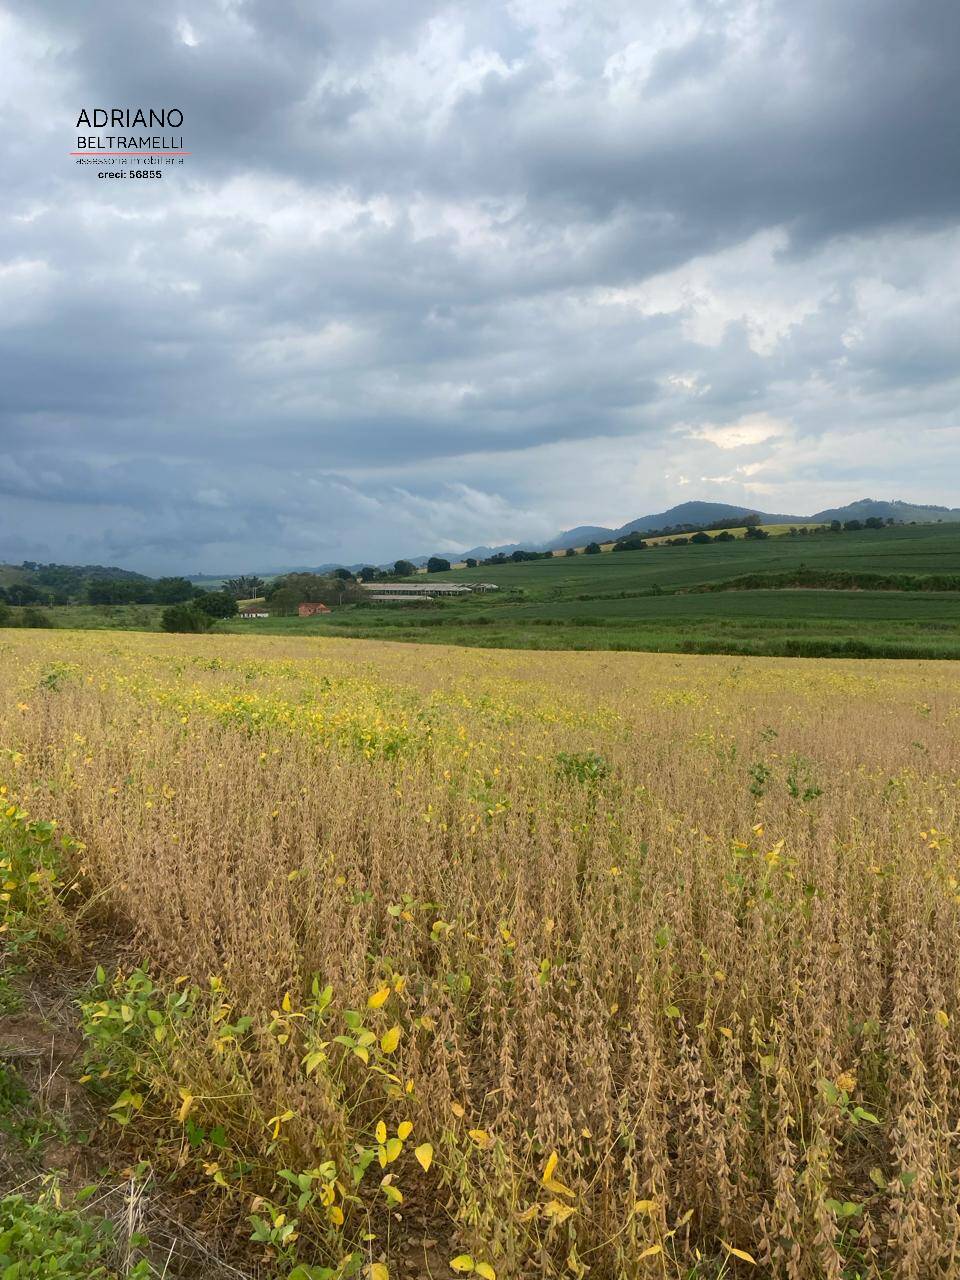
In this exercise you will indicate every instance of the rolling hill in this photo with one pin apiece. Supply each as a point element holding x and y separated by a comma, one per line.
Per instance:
<point>901,512</point>
<point>702,513</point>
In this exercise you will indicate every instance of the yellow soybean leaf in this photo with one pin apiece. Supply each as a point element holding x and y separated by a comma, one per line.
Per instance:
<point>393,1147</point>
<point>739,1253</point>
<point>484,1269</point>
<point>559,1188</point>
<point>393,1194</point>
<point>479,1136</point>
<point>381,1131</point>
<point>335,1214</point>
<point>404,1130</point>
<point>552,1183</point>
<point>313,1060</point>
<point>559,1212</point>
<point>390,1040</point>
<point>645,1206</point>
<point>285,1004</point>
<point>943,1018</point>
<point>378,1271</point>
<point>457,1110</point>
<point>185,1106</point>
<point>651,1252</point>
<point>462,1262</point>
<point>378,998</point>
<point>424,1154</point>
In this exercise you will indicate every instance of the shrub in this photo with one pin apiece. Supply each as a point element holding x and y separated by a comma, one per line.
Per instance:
<point>33,617</point>
<point>632,542</point>
<point>185,617</point>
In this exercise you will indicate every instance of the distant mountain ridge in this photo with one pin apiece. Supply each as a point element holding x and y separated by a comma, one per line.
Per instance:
<point>896,510</point>
<point>684,513</point>
<point>699,513</point>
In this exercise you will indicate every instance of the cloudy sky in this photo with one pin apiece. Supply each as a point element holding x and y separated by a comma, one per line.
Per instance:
<point>439,274</point>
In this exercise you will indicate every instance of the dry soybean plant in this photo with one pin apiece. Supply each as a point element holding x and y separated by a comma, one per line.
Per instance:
<point>585,964</point>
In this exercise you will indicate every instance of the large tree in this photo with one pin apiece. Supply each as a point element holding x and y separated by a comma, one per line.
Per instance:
<point>630,542</point>
<point>217,604</point>
<point>121,591</point>
<point>24,593</point>
<point>293,589</point>
<point>246,587</point>
<point>172,590</point>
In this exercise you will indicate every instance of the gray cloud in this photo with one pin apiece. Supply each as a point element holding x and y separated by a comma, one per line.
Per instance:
<point>439,273</point>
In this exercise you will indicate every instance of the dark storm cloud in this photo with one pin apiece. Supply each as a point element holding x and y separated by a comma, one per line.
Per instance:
<point>440,273</point>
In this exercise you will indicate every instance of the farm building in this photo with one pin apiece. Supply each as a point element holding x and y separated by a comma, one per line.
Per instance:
<point>411,590</point>
<point>253,613</point>
<point>311,610</point>
<point>382,598</point>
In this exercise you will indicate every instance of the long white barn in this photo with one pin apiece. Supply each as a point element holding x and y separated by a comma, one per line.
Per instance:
<point>408,590</point>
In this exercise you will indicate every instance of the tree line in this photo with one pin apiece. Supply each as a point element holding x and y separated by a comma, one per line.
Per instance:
<point>132,590</point>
